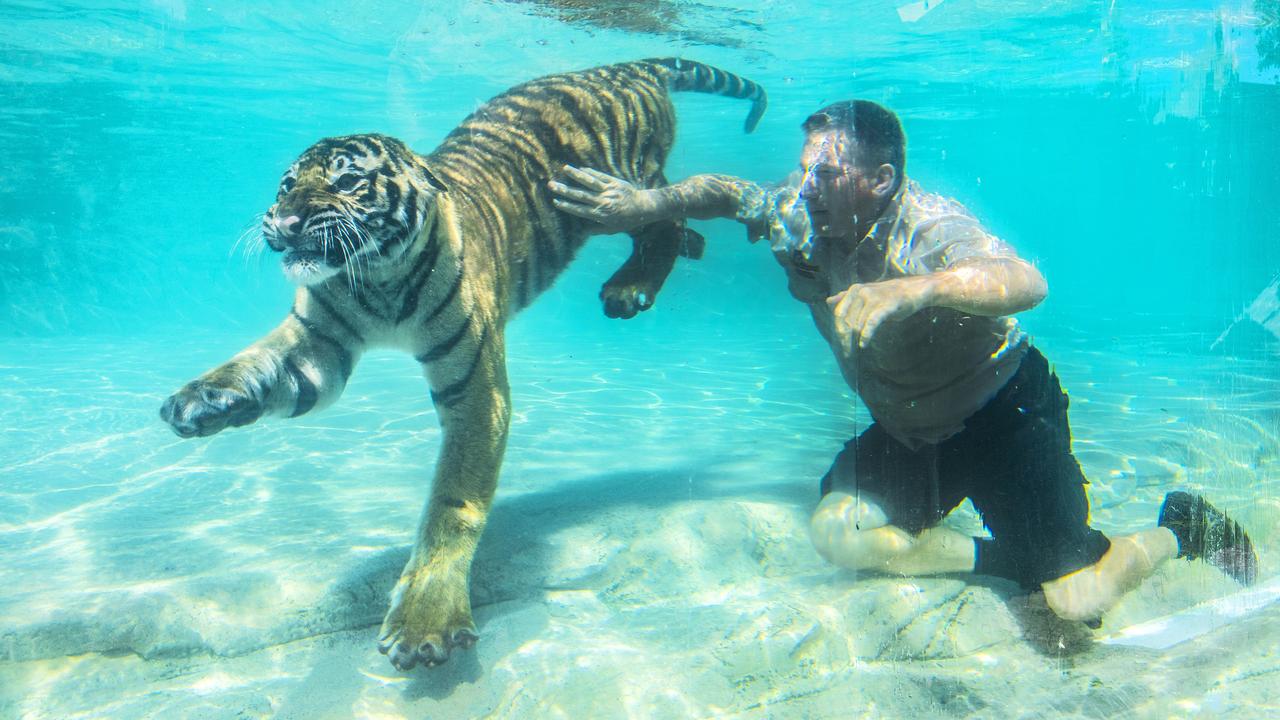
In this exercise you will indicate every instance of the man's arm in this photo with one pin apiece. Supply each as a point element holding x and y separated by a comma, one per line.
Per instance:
<point>988,286</point>
<point>617,205</point>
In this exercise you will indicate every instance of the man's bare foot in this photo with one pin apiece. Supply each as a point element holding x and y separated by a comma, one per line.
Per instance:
<point>1089,592</point>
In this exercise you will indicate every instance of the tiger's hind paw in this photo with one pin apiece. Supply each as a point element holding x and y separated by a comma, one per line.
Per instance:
<point>626,300</point>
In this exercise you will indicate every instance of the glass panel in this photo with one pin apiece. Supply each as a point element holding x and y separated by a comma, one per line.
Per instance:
<point>658,544</point>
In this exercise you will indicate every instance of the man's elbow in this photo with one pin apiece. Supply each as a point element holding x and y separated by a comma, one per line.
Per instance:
<point>1037,287</point>
<point>1025,286</point>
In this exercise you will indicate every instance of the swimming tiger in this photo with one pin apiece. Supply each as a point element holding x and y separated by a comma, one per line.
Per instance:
<point>433,254</point>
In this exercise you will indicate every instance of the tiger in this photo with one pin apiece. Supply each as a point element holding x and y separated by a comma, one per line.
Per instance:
<point>433,255</point>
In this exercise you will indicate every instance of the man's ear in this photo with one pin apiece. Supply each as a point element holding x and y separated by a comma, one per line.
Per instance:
<point>885,179</point>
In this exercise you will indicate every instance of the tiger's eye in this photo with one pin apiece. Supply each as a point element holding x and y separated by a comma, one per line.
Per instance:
<point>345,183</point>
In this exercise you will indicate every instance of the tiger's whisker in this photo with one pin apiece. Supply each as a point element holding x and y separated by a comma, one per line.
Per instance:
<point>250,239</point>
<point>353,239</point>
<point>345,233</point>
<point>331,244</point>
<point>354,272</point>
<point>335,232</point>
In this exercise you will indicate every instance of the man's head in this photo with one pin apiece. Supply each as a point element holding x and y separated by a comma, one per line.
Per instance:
<point>853,161</point>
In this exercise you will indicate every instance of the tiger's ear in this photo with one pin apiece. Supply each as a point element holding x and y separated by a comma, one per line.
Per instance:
<point>434,181</point>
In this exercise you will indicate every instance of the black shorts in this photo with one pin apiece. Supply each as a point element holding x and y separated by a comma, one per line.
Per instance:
<point>1013,460</point>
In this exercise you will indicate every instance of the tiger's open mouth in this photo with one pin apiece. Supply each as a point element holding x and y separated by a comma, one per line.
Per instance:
<point>307,267</point>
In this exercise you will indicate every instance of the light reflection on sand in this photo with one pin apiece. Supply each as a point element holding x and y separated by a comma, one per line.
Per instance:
<point>650,524</point>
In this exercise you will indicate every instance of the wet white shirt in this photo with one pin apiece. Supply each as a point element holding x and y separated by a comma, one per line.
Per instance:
<point>920,376</point>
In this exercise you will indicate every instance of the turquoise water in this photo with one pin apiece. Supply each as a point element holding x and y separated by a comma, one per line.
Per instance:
<point>647,554</point>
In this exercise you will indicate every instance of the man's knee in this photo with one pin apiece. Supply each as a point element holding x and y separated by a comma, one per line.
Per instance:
<point>847,531</point>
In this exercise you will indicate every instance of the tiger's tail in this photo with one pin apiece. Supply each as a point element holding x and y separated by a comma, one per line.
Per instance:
<point>688,75</point>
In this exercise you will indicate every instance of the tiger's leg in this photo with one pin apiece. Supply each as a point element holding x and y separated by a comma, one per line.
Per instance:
<point>635,285</point>
<point>301,365</point>
<point>431,606</point>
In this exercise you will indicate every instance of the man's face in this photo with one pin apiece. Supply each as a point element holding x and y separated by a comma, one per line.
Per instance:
<point>836,192</point>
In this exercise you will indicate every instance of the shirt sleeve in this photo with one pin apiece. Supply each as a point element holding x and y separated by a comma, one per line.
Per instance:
<point>950,234</point>
<point>776,213</point>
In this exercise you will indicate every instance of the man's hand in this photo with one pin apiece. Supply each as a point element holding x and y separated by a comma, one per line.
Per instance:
<point>862,308</point>
<point>614,204</point>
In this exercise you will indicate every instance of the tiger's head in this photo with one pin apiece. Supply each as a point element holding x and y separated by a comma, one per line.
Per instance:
<point>348,205</point>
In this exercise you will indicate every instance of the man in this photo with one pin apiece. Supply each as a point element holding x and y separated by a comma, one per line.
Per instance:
<point>914,296</point>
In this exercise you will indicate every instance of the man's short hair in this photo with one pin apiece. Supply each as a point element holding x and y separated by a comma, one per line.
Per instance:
<point>876,129</point>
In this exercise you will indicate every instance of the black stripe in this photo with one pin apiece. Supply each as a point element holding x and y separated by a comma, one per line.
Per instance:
<point>411,211</point>
<point>735,86</point>
<point>476,163</point>
<point>412,288</point>
<point>355,146</point>
<point>434,181</point>
<point>651,99</point>
<point>490,215</point>
<point>448,298</point>
<point>544,225</point>
<point>639,117</point>
<point>545,133</point>
<point>539,212</point>
<point>496,229</point>
<point>717,79</point>
<point>344,355</point>
<point>453,393</point>
<point>667,62</point>
<point>307,395</point>
<point>447,346</point>
<point>527,113</point>
<point>542,240</point>
<point>452,502</point>
<point>324,305</point>
<point>426,265</point>
<point>368,309</point>
<point>699,75</point>
<point>517,144</point>
<point>616,118</point>
<point>579,114</point>
<point>606,88</point>
<point>371,192</point>
<point>543,221</point>
<point>323,146</point>
<point>392,204</point>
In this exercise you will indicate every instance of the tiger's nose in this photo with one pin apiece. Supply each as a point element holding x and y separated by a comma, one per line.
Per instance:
<point>291,225</point>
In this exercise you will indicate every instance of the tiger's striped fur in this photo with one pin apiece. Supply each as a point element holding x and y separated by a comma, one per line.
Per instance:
<point>433,255</point>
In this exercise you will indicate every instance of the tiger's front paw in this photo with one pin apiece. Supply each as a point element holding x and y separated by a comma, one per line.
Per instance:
<point>203,408</point>
<point>627,299</point>
<point>430,615</point>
